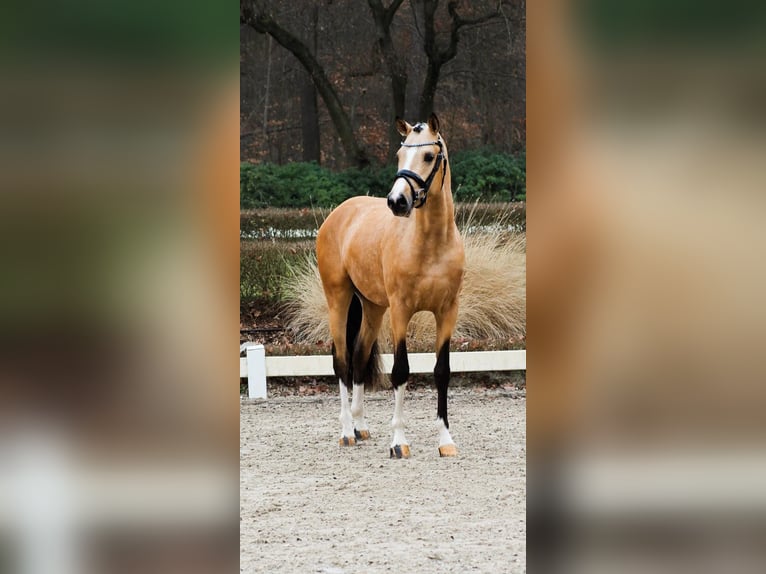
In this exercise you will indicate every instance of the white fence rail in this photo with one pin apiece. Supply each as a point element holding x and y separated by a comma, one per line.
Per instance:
<point>256,367</point>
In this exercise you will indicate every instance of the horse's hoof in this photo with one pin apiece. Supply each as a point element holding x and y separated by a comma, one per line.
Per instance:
<point>347,441</point>
<point>400,451</point>
<point>362,434</point>
<point>448,450</point>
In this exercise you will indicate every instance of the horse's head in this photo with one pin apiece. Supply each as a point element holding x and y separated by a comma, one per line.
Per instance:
<point>421,159</point>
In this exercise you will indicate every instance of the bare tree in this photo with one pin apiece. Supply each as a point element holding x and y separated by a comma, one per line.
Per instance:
<point>260,19</point>
<point>438,55</point>
<point>342,70</point>
<point>395,64</point>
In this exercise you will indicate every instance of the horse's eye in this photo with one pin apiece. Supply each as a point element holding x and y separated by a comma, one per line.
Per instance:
<point>429,157</point>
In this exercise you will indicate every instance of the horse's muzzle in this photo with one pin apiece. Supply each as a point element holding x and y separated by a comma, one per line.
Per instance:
<point>399,204</point>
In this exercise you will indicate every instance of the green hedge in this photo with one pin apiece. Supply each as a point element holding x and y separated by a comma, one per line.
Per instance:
<point>489,176</point>
<point>481,174</point>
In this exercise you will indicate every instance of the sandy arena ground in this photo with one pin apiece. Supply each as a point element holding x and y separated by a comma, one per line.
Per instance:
<point>307,505</point>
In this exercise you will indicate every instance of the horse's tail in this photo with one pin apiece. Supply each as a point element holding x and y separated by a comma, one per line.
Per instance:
<point>372,372</point>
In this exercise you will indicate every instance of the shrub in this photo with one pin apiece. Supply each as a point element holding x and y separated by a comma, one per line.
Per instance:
<point>489,176</point>
<point>369,181</point>
<point>478,174</point>
<point>263,266</point>
<point>278,223</point>
<point>290,185</point>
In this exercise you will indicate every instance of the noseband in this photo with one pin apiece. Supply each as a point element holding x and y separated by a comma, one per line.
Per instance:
<point>419,196</point>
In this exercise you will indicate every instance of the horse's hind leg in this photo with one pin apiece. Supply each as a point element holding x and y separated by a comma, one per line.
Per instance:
<point>365,364</point>
<point>338,300</point>
<point>445,324</point>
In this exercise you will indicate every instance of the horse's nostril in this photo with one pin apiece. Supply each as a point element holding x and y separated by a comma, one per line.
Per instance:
<point>401,201</point>
<point>390,203</point>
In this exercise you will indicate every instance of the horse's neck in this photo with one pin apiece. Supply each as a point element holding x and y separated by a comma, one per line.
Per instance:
<point>436,219</point>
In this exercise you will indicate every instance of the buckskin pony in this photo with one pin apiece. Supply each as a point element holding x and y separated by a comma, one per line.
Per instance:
<point>404,253</point>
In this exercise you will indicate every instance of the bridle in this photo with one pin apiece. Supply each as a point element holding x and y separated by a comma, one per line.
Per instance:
<point>419,196</point>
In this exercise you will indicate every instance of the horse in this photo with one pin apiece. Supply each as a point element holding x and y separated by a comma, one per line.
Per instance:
<point>374,254</point>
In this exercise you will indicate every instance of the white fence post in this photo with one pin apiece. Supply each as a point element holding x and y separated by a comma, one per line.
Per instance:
<point>256,371</point>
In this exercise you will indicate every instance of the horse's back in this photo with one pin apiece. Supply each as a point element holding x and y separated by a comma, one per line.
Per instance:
<point>354,209</point>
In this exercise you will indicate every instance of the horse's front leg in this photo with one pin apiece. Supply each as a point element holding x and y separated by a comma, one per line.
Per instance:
<point>400,372</point>
<point>445,324</point>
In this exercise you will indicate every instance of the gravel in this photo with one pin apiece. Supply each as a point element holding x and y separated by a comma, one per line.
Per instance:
<point>308,505</point>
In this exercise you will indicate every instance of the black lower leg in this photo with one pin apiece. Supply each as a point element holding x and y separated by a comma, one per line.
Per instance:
<point>401,369</point>
<point>341,367</point>
<point>441,377</point>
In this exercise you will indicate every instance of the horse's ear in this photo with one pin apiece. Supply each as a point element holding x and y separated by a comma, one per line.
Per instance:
<point>403,127</point>
<point>433,123</point>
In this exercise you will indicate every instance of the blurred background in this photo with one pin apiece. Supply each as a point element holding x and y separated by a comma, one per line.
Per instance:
<point>118,436</point>
<point>646,246</point>
<point>646,274</point>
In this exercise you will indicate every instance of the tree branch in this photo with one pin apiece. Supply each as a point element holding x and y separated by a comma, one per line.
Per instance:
<point>391,11</point>
<point>263,22</point>
<point>459,22</point>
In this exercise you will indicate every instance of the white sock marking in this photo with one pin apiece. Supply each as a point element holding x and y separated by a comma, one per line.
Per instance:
<point>397,423</point>
<point>347,425</point>
<point>357,408</point>
<point>444,436</point>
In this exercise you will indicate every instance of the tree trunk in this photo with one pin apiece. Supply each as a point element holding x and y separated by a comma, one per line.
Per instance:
<point>430,82</point>
<point>310,121</point>
<point>433,58</point>
<point>399,94</point>
<point>262,22</point>
<point>266,97</point>
<point>397,71</point>
<point>309,109</point>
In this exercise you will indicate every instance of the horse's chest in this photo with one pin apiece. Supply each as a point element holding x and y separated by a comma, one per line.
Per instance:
<point>427,287</point>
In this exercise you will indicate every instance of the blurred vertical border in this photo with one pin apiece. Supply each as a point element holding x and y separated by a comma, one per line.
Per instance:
<point>119,171</point>
<point>646,273</point>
